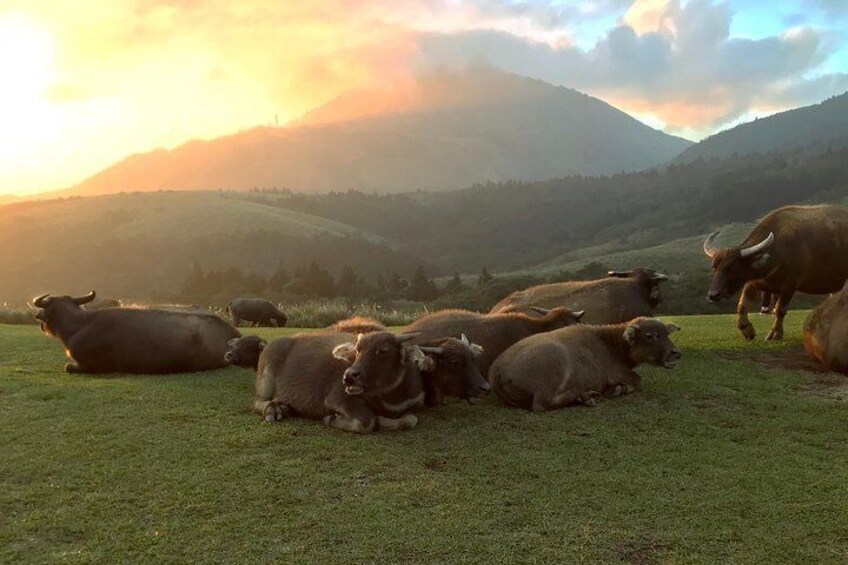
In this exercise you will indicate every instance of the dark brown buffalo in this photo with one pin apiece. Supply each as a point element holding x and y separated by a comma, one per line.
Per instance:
<point>256,311</point>
<point>621,296</point>
<point>826,332</point>
<point>493,332</point>
<point>360,384</point>
<point>245,351</point>
<point>580,364</point>
<point>793,249</point>
<point>357,325</point>
<point>126,340</point>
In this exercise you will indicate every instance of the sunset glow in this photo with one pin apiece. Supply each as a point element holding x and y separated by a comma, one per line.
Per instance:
<point>88,83</point>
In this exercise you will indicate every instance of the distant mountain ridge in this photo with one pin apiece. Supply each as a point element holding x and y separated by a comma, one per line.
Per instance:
<point>446,131</point>
<point>819,124</point>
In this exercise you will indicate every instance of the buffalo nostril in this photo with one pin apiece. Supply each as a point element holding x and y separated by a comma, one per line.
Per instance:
<point>713,295</point>
<point>350,376</point>
<point>485,386</point>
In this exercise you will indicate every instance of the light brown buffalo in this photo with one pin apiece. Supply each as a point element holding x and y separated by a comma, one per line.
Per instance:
<point>793,249</point>
<point>621,296</point>
<point>579,364</point>
<point>360,384</point>
<point>826,332</point>
<point>357,325</point>
<point>493,332</point>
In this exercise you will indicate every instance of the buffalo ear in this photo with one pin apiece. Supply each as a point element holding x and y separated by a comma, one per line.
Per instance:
<point>672,328</point>
<point>631,334</point>
<point>345,352</point>
<point>262,344</point>
<point>233,342</point>
<point>425,363</point>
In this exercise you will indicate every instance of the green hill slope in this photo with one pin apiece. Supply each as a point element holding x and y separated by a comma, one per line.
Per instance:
<point>134,244</point>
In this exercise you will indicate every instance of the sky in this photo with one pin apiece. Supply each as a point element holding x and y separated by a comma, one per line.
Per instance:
<point>87,82</point>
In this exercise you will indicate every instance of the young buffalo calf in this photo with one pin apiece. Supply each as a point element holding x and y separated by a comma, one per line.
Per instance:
<point>375,381</point>
<point>578,364</point>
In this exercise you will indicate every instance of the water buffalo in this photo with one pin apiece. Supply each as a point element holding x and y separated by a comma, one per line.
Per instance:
<point>793,249</point>
<point>357,325</point>
<point>127,340</point>
<point>245,351</point>
<point>493,332</point>
<point>359,384</point>
<point>257,311</point>
<point>826,332</point>
<point>620,297</point>
<point>579,364</point>
<point>100,303</point>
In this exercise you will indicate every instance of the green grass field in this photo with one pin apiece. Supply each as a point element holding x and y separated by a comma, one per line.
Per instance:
<point>724,459</point>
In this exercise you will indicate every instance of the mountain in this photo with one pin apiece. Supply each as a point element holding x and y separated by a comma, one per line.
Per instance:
<point>444,131</point>
<point>818,125</point>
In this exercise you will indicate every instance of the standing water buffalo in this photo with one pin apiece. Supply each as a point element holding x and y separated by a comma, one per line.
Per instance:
<point>375,381</point>
<point>126,340</point>
<point>826,332</point>
<point>579,364</point>
<point>793,249</point>
<point>620,297</point>
<point>257,311</point>
<point>493,332</point>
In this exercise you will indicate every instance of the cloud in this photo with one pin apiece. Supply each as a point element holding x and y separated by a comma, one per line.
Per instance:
<point>669,62</point>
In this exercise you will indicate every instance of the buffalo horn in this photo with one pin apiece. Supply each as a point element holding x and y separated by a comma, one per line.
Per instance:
<point>708,245</point>
<point>85,299</point>
<point>754,249</point>
<point>540,310</point>
<point>41,301</point>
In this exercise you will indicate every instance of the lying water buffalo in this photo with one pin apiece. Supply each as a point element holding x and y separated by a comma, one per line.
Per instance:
<point>493,332</point>
<point>100,303</point>
<point>375,381</point>
<point>620,297</point>
<point>126,340</point>
<point>245,351</point>
<point>579,364</point>
<point>793,249</point>
<point>826,332</point>
<point>257,311</point>
<point>357,325</point>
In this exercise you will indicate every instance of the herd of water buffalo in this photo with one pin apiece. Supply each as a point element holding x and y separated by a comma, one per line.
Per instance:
<point>542,348</point>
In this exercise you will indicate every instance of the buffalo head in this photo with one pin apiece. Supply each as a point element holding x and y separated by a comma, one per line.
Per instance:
<point>453,370</point>
<point>53,311</point>
<point>245,351</point>
<point>735,266</point>
<point>648,279</point>
<point>378,362</point>
<point>648,341</point>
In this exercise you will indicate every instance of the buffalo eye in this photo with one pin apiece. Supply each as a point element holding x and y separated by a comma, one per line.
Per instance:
<point>650,337</point>
<point>454,362</point>
<point>383,351</point>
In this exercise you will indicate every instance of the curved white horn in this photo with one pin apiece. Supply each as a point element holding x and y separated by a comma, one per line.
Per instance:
<point>708,245</point>
<point>754,249</point>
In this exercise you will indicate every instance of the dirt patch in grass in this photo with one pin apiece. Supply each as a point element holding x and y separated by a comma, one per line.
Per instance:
<point>787,360</point>
<point>641,552</point>
<point>818,380</point>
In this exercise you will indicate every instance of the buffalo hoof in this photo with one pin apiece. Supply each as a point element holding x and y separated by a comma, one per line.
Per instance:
<point>617,390</point>
<point>748,331</point>
<point>774,335</point>
<point>72,368</point>
<point>591,398</point>
<point>275,412</point>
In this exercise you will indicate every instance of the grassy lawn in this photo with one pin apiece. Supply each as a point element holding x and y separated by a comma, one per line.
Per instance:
<point>723,459</point>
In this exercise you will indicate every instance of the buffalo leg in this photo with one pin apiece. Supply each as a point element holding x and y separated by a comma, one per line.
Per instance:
<point>745,326</point>
<point>350,414</point>
<point>405,422</point>
<point>780,309</point>
<point>626,384</point>
<point>765,308</point>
